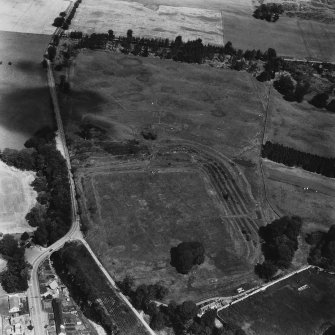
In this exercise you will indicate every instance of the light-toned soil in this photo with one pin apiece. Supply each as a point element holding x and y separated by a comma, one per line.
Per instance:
<point>163,22</point>
<point>213,21</point>
<point>24,96</point>
<point>30,16</point>
<point>17,197</point>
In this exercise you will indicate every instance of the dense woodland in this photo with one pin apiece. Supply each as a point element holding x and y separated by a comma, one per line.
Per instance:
<point>292,157</point>
<point>323,249</point>
<point>15,277</point>
<point>52,214</point>
<point>280,241</point>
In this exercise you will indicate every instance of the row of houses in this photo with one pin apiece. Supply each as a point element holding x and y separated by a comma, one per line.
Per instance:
<point>14,313</point>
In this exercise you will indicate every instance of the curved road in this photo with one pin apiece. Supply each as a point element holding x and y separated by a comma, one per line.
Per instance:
<point>38,316</point>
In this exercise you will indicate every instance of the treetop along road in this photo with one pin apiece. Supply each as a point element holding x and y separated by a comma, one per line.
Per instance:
<point>36,311</point>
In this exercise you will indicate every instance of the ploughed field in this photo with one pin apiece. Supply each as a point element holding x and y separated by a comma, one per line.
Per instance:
<point>283,309</point>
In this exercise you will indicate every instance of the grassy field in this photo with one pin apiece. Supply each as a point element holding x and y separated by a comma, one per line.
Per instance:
<point>195,103</point>
<point>194,106</point>
<point>300,126</point>
<point>25,104</point>
<point>282,309</point>
<point>30,16</point>
<point>288,185</point>
<point>139,216</point>
<point>212,21</point>
<point>288,36</point>
<point>17,197</point>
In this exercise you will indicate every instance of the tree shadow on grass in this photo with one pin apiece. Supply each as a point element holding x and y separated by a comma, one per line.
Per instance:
<point>25,110</point>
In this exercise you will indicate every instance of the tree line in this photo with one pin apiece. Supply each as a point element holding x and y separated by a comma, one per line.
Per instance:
<point>292,157</point>
<point>61,21</point>
<point>194,51</point>
<point>181,317</point>
<point>279,243</point>
<point>52,214</point>
<point>296,92</point>
<point>16,275</point>
<point>86,283</point>
<point>322,248</point>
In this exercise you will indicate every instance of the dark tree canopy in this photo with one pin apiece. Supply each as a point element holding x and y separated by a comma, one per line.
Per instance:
<point>280,243</point>
<point>330,331</point>
<point>15,277</point>
<point>292,157</point>
<point>269,12</point>
<point>266,270</point>
<point>8,245</point>
<point>284,85</point>
<point>24,236</point>
<point>319,100</point>
<point>186,255</point>
<point>323,250</point>
<point>331,106</point>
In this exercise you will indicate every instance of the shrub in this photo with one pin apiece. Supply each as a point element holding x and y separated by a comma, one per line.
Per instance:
<point>319,100</point>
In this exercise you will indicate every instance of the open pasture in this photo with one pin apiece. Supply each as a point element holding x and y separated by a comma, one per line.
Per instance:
<point>291,37</point>
<point>137,216</point>
<point>30,16</point>
<point>283,310</point>
<point>300,126</point>
<point>287,186</point>
<point>191,102</point>
<point>24,94</point>
<point>17,197</point>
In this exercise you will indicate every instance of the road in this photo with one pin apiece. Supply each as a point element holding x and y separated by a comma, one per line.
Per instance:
<point>35,258</point>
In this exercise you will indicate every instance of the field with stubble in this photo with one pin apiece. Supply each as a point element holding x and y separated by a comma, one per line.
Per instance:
<point>215,22</point>
<point>17,197</point>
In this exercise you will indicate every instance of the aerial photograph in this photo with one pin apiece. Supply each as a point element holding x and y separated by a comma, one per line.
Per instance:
<point>167,167</point>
